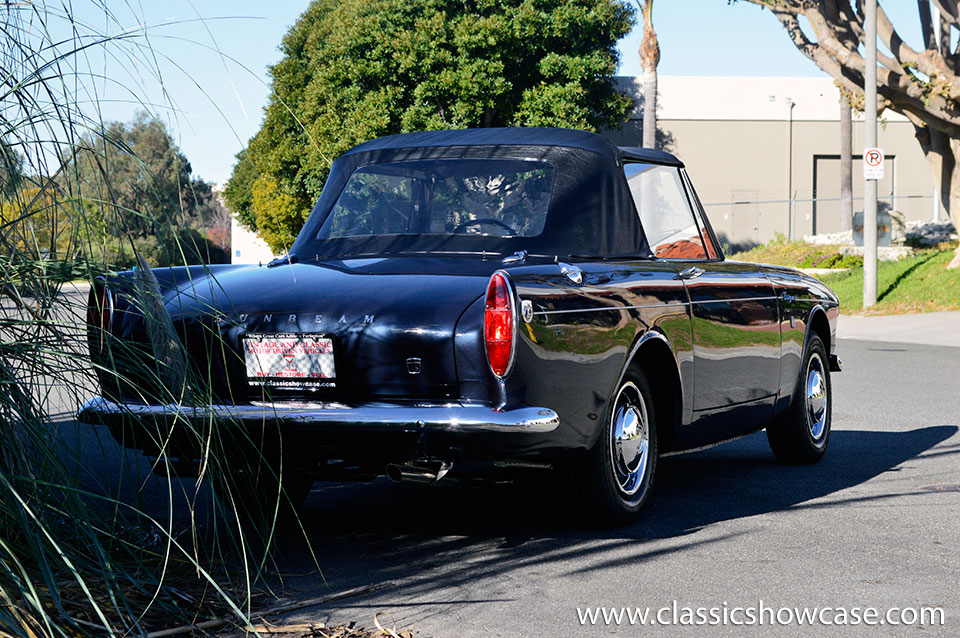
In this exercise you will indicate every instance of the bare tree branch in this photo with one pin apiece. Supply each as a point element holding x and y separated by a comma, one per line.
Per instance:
<point>926,23</point>
<point>924,86</point>
<point>949,10</point>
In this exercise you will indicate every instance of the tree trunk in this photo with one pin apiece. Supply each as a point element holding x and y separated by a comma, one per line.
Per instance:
<point>650,108</point>
<point>954,206</point>
<point>649,59</point>
<point>846,166</point>
<point>943,156</point>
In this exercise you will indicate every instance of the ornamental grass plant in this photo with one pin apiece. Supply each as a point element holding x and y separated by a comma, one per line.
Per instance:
<point>86,549</point>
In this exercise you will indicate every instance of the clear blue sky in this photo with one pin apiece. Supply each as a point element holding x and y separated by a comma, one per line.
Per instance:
<point>214,82</point>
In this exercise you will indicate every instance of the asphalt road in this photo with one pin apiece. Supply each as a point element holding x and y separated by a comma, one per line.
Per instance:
<point>876,523</point>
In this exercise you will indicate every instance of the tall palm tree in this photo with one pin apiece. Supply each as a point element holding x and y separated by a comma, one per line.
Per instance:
<point>649,59</point>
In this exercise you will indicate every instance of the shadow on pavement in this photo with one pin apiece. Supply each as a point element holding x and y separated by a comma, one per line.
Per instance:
<point>378,532</point>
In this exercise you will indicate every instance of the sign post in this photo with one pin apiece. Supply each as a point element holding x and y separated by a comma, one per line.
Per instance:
<point>872,157</point>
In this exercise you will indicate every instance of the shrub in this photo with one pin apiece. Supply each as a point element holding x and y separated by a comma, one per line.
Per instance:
<point>75,559</point>
<point>825,258</point>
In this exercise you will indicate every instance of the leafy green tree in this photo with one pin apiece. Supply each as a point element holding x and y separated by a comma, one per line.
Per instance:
<point>239,190</point>
<point>353,70</point>
<point>11,169</point>
<point>138,172</point>
<point>145,191</point>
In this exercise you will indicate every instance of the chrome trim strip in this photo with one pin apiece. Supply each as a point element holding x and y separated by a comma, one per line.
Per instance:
<point>107,297</point>
<point>708,446</point>
<point>451,417</point>
<point>516,258</point>
<point>602,308</point>
<point>657,305</point>
<point>572,272</point>
<point>690,273</point>
<point>836,365</point>
<point>738,299</point>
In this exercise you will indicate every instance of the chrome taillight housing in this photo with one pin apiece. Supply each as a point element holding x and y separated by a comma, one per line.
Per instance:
<point>100,309</point>
<point>500,324</point>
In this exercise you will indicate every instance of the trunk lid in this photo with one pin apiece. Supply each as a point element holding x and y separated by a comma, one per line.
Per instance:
<point>391,321</point>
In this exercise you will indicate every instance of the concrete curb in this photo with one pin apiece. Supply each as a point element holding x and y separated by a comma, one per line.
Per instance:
<point>929,328</point>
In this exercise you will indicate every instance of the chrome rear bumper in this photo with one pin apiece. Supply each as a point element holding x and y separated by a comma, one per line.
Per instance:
<point>451,417</point>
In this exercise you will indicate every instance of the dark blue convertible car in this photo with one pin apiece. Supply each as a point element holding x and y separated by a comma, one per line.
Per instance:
<point>479,300</point>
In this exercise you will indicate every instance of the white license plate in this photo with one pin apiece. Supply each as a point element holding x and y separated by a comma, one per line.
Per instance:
<point>289,361</point>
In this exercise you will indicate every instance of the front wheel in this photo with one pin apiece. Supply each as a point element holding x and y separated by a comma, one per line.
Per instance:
<point>619,470</point>
<point>800,434</point>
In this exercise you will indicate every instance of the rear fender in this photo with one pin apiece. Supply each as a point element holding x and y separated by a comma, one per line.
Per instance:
<point>656,357</point>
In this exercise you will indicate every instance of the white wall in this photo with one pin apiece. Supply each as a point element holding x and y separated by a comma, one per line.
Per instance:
<point>247,247</point>
<point>742,98</point>
<point>747,156</point>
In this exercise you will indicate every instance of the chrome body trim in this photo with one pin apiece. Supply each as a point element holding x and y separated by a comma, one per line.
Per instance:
<point>708,446</point>
<point>817,398</point>
<point>449,417</point>
<point>572,272</point>
<point>610,308</point>
<point>690,273</point>
<point>836,365</point>
<point>649,305</point>
<point>738,300</point>
<point>516,258</point>
<point>630,439</point>
<point>526,310</point>
<point>108,298</point>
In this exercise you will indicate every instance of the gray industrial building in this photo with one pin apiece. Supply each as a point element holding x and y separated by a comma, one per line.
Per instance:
<point>753,144</point>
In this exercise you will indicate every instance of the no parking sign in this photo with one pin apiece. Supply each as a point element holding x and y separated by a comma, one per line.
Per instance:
<point>873,163</point>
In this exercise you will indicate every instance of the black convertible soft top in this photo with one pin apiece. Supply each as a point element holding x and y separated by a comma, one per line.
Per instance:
<point>531,136</point>
<point>591,211</point>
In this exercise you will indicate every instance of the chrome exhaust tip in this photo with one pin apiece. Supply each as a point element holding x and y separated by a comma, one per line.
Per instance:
<point>418,471</point>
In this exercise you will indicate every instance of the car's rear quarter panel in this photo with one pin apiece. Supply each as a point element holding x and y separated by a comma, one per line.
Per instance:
<point>571,356</point>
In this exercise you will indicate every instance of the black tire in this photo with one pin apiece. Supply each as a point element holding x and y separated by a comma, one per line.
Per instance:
<point>612,492</point>
<point>800,434</point>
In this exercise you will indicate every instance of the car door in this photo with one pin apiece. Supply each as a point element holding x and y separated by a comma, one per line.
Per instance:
<point>735,314</point>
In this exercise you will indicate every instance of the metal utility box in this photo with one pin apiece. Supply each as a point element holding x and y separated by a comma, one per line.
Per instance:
<point>883,228</point>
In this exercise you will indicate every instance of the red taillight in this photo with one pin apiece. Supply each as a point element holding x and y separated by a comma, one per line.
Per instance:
<point>498,324</point>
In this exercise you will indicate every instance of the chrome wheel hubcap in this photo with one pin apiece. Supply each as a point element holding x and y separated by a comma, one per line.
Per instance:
<point>630,439</point>
<point>817,398</point>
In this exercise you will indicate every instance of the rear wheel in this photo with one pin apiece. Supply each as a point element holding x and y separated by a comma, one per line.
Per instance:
<point>801,433</point>
<point>619,470</point>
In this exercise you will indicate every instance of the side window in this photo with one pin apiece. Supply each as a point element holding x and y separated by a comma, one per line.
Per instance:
<point>668,222</point>
<point>700,214</point>
<point>371,204</point>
